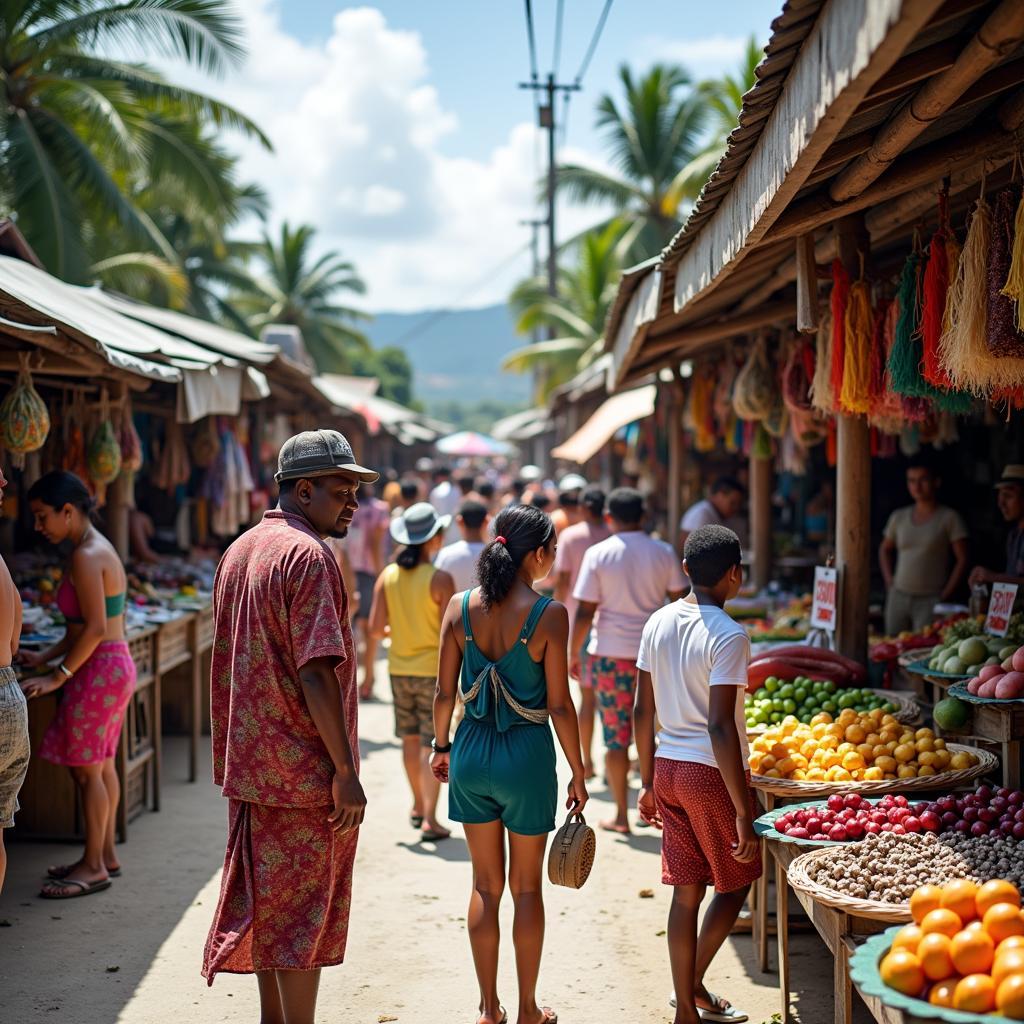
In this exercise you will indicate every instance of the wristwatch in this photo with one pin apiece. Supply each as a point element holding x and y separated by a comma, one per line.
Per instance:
<point>439,749</point>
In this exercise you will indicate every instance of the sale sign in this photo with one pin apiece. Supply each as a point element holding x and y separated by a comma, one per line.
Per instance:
<point>1000,608</point>
<point>826,598</point>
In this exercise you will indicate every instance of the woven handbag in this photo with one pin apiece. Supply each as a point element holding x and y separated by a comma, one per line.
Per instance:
<point>572,853</point>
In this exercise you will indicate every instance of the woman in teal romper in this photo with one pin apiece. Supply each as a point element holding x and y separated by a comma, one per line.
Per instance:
<point>504,649</point>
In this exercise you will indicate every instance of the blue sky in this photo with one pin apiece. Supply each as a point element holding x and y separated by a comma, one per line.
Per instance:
<point>400,132</point>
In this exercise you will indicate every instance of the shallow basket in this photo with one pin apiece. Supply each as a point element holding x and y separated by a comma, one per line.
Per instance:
<point>896,913</point>
<point>907,709</point>
<point>865,975</point>
<point>765,828</point>
<point>959,690</point>
<point>795,788</point>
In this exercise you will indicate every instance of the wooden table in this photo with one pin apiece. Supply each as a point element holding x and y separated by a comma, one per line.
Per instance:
<point>838,930</point>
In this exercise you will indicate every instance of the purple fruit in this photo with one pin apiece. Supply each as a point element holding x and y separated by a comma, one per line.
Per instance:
<point>988,814</point>
<point>984,792</point>
<point>963,826</point>
<point>970,814</point>
<point>1007,827</point>
<point>1018,830</point>
<point>998,804</point>
<point>1016,798</point>
<point>949,818</point>
<point>979,828</point>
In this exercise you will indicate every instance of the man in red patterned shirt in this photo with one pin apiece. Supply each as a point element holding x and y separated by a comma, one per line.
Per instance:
<point>283,707</point>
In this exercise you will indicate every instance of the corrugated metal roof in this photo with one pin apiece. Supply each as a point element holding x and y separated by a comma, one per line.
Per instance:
<point>118,340</point>
<point>217,339</point>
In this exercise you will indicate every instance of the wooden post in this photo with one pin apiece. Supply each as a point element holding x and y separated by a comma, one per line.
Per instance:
<point>761,519</point>
<point>119,497</point>
<point>853,488</point>
<point>674,504</point>
<point>806,285</point>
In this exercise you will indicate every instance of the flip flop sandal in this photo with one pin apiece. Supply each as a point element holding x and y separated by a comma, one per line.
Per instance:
<point>434,837</point>
<point>416,820</point>
<point>729,1015</point>
<point>550,1017</point>
<point>85,889</point>
<point>61,871</point>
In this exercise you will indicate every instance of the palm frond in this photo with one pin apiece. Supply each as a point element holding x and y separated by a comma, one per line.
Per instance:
<point>139,273</point>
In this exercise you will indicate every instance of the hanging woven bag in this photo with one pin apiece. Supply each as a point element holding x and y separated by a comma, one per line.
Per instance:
<point>24,419</point>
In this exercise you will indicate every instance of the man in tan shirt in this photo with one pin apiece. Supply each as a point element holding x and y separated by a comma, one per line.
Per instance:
<point>921,536</point>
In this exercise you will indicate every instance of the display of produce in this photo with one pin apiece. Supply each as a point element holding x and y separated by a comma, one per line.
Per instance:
<point>1002,679</point>
<point>965,949</point>
<point>804,698</point>
<point>962,657</point>
<point>890,648</point>
<point>985,812</point>
<point>854,747</point>
<point>806,662</point>
<point>887,868</point>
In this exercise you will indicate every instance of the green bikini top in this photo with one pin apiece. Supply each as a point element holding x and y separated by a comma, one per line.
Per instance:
<point>510,691</point>
<point>67,602</point>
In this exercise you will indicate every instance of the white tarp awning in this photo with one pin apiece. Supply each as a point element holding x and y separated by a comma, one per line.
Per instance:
<point>614,413</point>
<point>216,339</point>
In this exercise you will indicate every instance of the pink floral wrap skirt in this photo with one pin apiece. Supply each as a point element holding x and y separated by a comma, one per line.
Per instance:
<point>87,726</point>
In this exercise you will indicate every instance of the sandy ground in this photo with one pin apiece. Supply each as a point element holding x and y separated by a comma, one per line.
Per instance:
<point>132,954</point>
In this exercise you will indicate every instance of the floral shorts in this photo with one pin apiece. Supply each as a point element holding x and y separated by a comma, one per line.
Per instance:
<point>414,706</point>
<point>614,683</point>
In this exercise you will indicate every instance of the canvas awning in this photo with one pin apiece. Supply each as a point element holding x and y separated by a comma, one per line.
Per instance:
<point>379,413</point>
<point>613,414</point>
<point>216,339</point>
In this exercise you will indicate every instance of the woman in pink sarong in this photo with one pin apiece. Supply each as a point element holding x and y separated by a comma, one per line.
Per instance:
<point>96,673</point>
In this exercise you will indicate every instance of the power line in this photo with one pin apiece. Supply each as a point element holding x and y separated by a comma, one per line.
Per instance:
<point>557,55</point>
<point>440,314</point>
<point>531,40</point>
<point>595,39</point>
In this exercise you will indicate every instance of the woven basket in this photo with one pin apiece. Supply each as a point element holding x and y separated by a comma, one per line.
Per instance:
<point>946,781</point>
<point>895,913</point>
<point>906,709</point>
<point>572,853</point>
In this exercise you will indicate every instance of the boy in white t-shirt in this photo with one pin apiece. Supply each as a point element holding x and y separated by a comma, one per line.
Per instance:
<point>692,674</point>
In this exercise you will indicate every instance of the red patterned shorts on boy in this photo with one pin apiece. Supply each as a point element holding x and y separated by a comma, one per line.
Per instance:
<point>614,684</point>
<point>699,827</point>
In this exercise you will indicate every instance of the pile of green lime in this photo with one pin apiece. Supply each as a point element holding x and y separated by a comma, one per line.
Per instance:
<point>804,698</point>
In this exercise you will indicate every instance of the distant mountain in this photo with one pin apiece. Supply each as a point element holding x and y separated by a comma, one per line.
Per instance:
<point>456,354</point>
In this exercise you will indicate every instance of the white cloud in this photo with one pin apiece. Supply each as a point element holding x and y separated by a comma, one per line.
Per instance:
<point>357,128</point>
<point>704,57</point>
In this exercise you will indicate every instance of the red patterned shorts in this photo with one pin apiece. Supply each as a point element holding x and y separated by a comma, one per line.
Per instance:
<point>87,726</point>
<point>699,827</point>
<point>285,893</point>
<point>614,684</point>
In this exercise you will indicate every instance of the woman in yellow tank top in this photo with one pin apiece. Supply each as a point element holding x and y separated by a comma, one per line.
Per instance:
<point>408,600</point>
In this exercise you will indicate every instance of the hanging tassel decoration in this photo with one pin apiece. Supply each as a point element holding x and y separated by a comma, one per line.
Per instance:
<point>855,395</point>
<point>934,292</point>
<point>1013,289</point>
<point>1004,339</point>
<point>822,397</point>
<point>839,298</point>
<point>905,358</point>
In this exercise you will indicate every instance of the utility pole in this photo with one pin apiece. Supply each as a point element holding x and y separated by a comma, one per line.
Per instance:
<point>547,122</point>
<point>534,226</point>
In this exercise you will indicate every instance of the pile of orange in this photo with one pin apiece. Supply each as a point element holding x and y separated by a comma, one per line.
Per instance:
<point>869,746</point>
<point>965,949</point>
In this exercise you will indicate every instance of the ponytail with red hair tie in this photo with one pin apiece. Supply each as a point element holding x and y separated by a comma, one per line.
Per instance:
<point>500,540</point>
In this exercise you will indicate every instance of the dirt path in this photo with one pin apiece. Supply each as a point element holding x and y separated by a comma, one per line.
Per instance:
<point>131,955</point>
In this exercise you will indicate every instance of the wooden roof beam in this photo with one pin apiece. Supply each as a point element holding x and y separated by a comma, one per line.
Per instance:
<point>922,167</point>
<point>998,37</point>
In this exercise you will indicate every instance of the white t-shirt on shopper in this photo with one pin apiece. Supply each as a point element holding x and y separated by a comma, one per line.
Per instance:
<point>701,514</point>
<point>460,559</point>
<point>688,648</point>
<point>628,577</point>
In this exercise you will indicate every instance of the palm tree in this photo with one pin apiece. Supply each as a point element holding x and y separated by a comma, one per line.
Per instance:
<point>81,132</point>
<point>724,99</point>
<point>577,314</point>
<point>657,133</point>
<point>296,289</point>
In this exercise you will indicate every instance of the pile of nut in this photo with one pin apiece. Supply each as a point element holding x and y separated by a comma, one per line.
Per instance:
<point>887,868</point>
<point>988,857</point>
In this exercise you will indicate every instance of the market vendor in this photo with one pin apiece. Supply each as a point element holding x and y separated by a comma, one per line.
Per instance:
<point>724,502</point>
<point>922,537</point>
<point>1010,499</point>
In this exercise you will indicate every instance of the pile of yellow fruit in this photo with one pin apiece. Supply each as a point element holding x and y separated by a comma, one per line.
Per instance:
<point>965,949</point>
<point>856,746</point>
